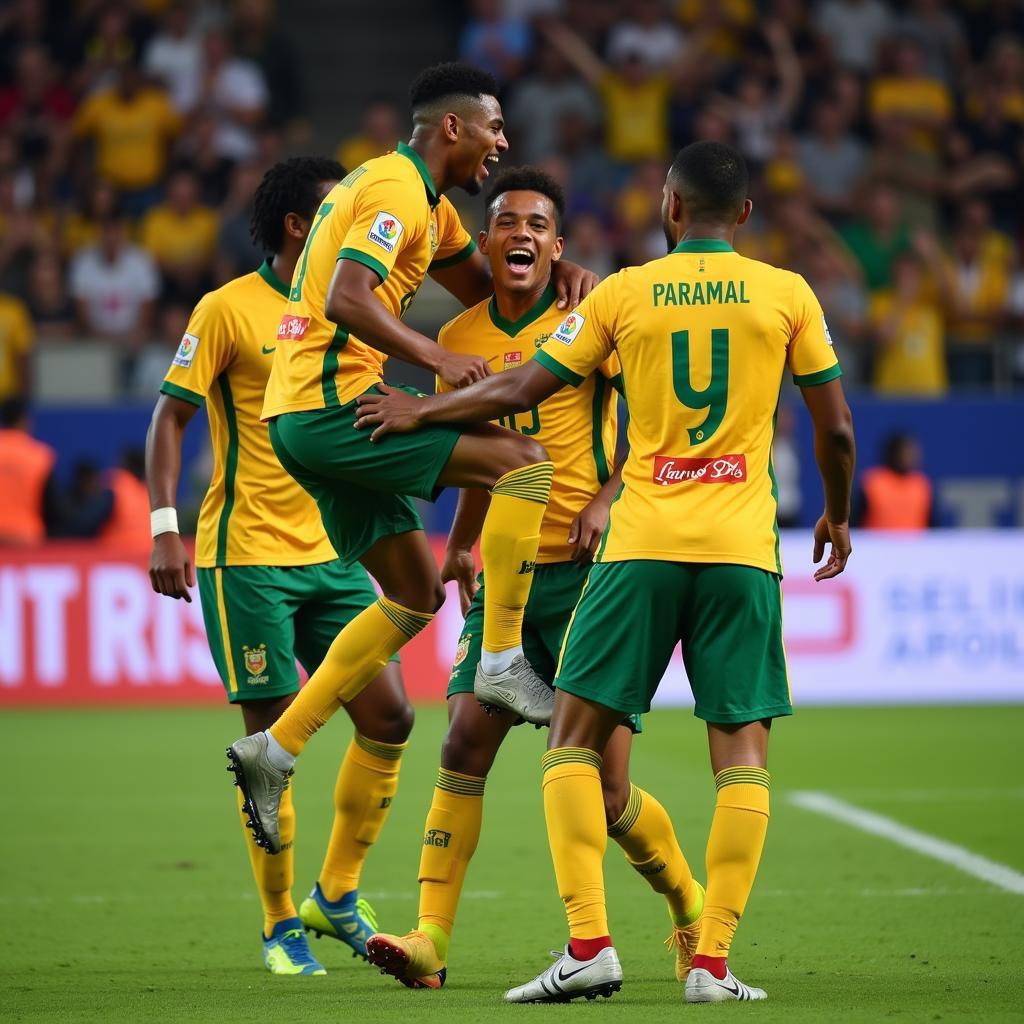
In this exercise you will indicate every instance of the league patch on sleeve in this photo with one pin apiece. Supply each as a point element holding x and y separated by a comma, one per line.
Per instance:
<point>186,350</point>
<point>824,323</point>
<point>385,231</point>
<point>569,328</point>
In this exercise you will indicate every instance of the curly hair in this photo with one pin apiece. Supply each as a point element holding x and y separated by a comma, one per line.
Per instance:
<point>291,186</point>
<point>527,179</point>
<point>450,79</point>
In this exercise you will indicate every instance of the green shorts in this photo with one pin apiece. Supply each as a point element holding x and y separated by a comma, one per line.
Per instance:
<point>632,615</point>
<point>363,490</point>
<point>260,618</point>
<point>555,590</point>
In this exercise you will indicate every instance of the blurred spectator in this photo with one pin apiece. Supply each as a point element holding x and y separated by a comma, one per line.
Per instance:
<point>646,30</point>
<point>127,532</point>
<point>380,130</point>
<point>587,244</point>
<point>131,125</point>
<point>591,174</point>
<point>541,102</point>
<point>235,93</point>
<point>25,22</point>
<point>86,504</point>
<point>879,237</point>
<point>236,251</point>
<point>23,231</point>
<point>909,334</point>
<point>895,495</point>
<point>81,227</point>
<point>16,336</point>
<point>50,305</point>
<point>832,159</point>
<point>786,467</point>
<point>936,31</point>
<point>114,285</point>
<point>174,56</point>
<point>494,41</point>
<point>854,30</point>
<point>111,45</point>
<point>181,235</point>
<point>199,150</point>
<point>914,172</point>
<point>28,494</point>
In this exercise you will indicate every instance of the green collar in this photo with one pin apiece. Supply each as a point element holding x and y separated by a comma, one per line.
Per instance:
<point>417,161</point>
<point>703,245</point>
<point>266,271</point>
<point>535,312</point>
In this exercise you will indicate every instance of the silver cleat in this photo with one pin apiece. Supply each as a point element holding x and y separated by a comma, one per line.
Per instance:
<point>262,786</point>
<point>518,689</point>
<point>568,978</point>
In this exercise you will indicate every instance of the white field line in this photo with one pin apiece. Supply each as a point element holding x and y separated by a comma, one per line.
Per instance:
<point>938,849</point>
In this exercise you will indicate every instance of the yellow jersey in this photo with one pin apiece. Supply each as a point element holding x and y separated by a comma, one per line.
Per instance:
<point>254,513</point>
<point>704,336</point>
<point>578,426</point>
<point>387,215</point>
<point>914,362</point>
<point>176,240</point>
<point>15,343</point>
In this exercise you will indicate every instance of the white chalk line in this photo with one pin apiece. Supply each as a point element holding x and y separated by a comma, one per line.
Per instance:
<point>959,857</point>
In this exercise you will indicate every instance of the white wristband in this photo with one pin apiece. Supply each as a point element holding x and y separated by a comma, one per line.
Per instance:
<point>163,520</point>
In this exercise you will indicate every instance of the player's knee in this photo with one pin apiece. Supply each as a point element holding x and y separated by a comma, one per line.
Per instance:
<point>518,453</point>
<point>463,752</point>
<point>420,595</point>
<point>394,722</point>
<point>616,795</point>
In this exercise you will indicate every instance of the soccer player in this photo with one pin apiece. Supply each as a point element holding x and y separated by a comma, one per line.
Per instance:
<point>691,552</point>
<point>272,587</point>
<point>375,236</point>
<point>578,428</point>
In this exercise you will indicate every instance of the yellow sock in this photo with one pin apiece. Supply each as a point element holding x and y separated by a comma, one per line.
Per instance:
<point>274,872</point>
<point>574,811</point>
<point>449,842</point>
<point>508,547</point>
<point>645,833</point>
<point>734,851</point>
<point>358,654</point>
<point>367,783</point>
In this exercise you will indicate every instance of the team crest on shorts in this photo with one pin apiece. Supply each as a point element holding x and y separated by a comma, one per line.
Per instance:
<point>256,664</point>
<point>463,649</point>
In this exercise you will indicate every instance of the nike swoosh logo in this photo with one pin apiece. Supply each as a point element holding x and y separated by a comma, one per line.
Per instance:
<point>267,351</point>
<point>729,988</point>
<point>561,976</point>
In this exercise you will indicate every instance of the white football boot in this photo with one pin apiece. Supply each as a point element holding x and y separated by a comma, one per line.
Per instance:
<point>703,987</point>
<point>568,978</point>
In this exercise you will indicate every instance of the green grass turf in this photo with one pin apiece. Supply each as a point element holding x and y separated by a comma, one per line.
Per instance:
<point>125,894</point>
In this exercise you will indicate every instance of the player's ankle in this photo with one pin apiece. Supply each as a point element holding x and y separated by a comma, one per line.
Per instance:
<point>439,937</point>
<point>281,758</point>
<point>714,965</point>
<point>587,949</point>
<point>495,662</point>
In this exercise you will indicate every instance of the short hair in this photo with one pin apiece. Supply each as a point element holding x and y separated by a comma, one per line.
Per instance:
<point>12,412</point>
<point>450,79</point>
<point>291,186</point>
<point>527,179</point>
<point>712,180</point>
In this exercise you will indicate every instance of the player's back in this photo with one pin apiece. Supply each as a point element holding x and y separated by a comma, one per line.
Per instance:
<point>703,336</point>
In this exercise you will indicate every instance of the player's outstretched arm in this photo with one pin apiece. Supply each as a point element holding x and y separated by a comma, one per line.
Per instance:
<point>398,412</point>
<point>352,306</point>
<point>170,569</point>
<point>835,452</point>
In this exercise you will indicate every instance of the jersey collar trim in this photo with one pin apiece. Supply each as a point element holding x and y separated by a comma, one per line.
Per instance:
<point>267,273</point>
<point>417,161</point>
<point>535,312</point>
<point>703,245</point>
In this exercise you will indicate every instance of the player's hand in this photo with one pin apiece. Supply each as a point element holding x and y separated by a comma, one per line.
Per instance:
<point>839,536</point>
<point>587,529</point>
<point>170,570</point>
<point>457,370</point>
<point>458,566</point>
<point>393,411</point>
<point>572,283</point>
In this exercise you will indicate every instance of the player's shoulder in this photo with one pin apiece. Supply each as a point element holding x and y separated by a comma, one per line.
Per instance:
<point>469,321</point>
<point>233,299</point>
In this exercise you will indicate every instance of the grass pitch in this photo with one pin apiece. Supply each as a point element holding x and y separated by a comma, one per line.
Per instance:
<point>125,893</point>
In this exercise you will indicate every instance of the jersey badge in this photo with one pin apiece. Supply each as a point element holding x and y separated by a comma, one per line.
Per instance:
<point>538,342</point>
<point>385,231</point>
<point>463,649</point>
<point>256,664</point>
<point>433,237</point>
<point>186,350</point>
<point>569,328</point>
<point>824,323</point>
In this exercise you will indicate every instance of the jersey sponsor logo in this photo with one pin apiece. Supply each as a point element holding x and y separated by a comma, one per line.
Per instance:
<point>436,837</point>
<point>569,328</point>
<point>255,664</point>
<point>462,650</point>
<point>291,328</point>
<point>385,231</point>
<point>186,350</point>
<point>824,323</point>
<point>720,469</point>
<point>512,360</point>
<point>526,568</point>
<point>538,342</point>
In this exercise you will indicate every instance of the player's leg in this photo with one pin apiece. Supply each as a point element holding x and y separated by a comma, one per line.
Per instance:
<point>736,665</point>
<point>249,625</point>
<point>642,828</point>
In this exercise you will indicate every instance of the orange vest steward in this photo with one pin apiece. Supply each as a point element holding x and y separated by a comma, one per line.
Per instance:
<point>25,466</point>
<point>896,501</point>
<point>127,531</point>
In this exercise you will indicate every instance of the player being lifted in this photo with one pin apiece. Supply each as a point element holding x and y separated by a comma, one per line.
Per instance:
<point>578,428</point>
<point>271,585</point>
<point>692,549</point>
<point>375,236</point>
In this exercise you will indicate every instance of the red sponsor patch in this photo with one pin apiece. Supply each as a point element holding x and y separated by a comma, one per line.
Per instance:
<point>292,328</point>
<point>513,358</point>
<point>721,469</point>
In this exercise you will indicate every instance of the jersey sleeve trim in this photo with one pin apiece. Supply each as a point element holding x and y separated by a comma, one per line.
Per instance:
<point>450,261</point>
<point>177,391</point>
<point>367,260</point>
<point>809,380</point>
<point>552,365</point>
